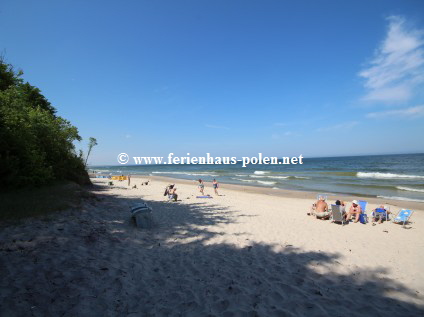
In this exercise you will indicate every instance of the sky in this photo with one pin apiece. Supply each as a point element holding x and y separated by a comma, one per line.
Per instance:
<point>231,78</point>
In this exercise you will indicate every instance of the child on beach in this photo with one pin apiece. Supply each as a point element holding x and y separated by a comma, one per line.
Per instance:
<point>215,186</point>
<point>201,187</point>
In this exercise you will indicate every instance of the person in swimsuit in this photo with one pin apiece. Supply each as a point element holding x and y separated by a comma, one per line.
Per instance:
<point>201,187</point>
<point>215,186</point>
<point>321,209</point>
<point>173,194</point>
<point>380,215</point>
<point>355,209</point>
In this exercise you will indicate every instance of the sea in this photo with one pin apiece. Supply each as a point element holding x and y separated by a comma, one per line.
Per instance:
<point>398,177</point>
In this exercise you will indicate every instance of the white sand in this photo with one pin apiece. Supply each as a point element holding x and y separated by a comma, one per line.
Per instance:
<point>242,254</point>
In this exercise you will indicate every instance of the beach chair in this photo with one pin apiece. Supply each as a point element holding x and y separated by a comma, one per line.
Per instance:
<point>381,211</point>
<point>337,214</point>
<point>363,218</point>
<point>403,216</point>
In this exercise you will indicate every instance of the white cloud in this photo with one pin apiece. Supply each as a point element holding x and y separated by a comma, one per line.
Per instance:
<point>216,127</point>
<point>398,66</point>
<point>413,112</point>
<point>339,126</point>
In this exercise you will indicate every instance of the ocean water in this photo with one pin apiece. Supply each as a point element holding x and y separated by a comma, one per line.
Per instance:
<point>399,177</point>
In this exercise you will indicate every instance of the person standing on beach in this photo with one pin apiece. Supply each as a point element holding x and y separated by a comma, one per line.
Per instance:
<point>201,187</point>
<point>215,186</point>
<point>129,180</point>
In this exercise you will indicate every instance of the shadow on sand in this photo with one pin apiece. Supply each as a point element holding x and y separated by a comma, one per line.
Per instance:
<point>174,270</point>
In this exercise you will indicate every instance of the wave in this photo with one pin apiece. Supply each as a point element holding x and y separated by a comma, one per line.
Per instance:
<point>256,176</point>
<point>278,177</point>
<point>244,180</point>
<point>401,198</point>
<point>267,183</point>
<point>410,189</point>
<point>260,172</point>
<point>379,175</point>
<point>340,173</point>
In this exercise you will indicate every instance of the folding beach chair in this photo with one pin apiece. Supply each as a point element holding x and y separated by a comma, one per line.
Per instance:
<point>363,218</point>
<point>381,213</point>
<point>403,216</point>
<point>337,214</point>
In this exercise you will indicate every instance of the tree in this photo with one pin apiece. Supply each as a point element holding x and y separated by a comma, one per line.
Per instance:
<point>91,143</point>
<point>36,145</point>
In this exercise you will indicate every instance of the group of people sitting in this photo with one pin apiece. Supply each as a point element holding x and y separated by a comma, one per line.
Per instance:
<point>321,211</point>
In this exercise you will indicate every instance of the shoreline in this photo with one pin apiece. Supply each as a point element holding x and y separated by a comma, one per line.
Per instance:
<point>347,198</point>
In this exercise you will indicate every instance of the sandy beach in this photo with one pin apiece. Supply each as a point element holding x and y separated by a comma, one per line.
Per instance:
<point>249,252</point>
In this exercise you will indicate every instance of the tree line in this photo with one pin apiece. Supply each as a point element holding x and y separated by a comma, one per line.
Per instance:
<point>36,145</point>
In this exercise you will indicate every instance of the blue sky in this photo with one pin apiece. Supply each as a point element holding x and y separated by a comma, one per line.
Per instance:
<point>232,78</point>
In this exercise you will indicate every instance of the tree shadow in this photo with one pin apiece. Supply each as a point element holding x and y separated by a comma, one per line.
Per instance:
<point>101,265</point>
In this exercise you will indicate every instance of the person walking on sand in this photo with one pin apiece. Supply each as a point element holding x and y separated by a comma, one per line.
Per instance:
<point>129,179</point>
<point>201,187</point>
<point>215,186</point>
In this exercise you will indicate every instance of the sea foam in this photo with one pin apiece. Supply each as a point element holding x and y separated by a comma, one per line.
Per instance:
<point>410,189</point>
<point>260,172</point>
<point>267,183</point>
<point>386,175</point>
<point>401,198</point>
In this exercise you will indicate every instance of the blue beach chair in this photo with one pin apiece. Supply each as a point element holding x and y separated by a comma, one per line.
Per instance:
<point>381,213</point>
<point>363,218</point>
<point>403,216</point>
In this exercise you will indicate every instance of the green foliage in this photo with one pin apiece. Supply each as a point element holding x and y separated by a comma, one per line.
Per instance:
<point>91,143</point>
<point>36,146</point>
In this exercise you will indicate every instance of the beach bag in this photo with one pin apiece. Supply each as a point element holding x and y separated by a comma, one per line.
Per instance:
<point>363,218</point>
